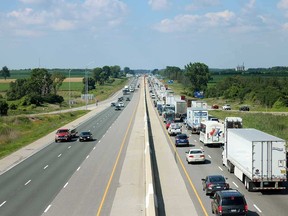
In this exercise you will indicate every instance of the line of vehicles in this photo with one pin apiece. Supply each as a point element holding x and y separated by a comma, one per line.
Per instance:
<point>256,158</point>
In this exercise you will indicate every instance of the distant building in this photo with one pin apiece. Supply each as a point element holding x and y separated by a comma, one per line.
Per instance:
<point>240,67</point>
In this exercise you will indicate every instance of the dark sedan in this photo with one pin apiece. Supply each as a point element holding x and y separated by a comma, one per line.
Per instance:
<point>181,140</point>
<point>213,183</point>
<point>85,136</point>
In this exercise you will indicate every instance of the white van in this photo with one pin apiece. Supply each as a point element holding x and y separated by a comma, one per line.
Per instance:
<point>212,133</point>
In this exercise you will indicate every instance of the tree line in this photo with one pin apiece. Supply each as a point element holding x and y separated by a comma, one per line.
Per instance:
<point>269,91</point>
<point>42,86</point>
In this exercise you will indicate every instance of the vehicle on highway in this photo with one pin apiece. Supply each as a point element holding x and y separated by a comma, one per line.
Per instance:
<point>62,134</point>
<point>181,140</point>
<point>229,202</point>
<point>85,136</point>
<point>195,155</point>
<point>168,123</point>
<point>120,98</point>
<point>174,129</point>
<point>213,183</point>
<point>127,99</point>
<point>244,108</point>
<point>121,104</point>
<point>113,104</point>
<point>117,107</point>
<point>226,107</point>
<point>215,106</point>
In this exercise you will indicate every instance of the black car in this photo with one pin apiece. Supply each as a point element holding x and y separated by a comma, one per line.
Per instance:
<point>85,136</point>
<point>113,104</point>
<point>117,107</point>
<point>244,108</point>
<point>127,99</point>
<point>229,202</point>
<point>213,183</point>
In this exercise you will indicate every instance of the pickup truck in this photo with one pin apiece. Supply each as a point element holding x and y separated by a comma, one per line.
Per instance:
<point>63,134</point>
<point>226,107</point>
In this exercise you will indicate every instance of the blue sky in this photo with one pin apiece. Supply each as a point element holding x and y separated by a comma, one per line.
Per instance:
<point>143,34</point>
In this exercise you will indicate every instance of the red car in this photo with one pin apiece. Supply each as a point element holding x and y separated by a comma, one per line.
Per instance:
<point>62,134</point>
<point>168,124</point>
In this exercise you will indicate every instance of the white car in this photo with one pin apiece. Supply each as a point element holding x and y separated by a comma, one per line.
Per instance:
<point>195,155</point>
<point>174,129</point>
<point>121,104</point>
<point>226,107</point>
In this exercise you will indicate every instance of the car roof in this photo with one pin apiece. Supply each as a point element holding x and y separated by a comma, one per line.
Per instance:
<point>229,193</point>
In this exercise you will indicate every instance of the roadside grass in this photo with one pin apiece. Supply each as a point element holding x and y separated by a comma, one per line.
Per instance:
<point>18,131</point>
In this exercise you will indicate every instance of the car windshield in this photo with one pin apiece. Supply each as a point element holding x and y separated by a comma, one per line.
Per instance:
<point>196,152</point>
<point>182,136</point>
<point>217,179</point>
<point>232,201</point>
<point>62,131</point>
<point>85,133</point>
<point>175,126</point>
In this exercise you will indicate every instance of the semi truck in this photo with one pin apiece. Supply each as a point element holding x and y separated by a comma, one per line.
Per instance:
<point>196,115</point>
<point>256,158</point>
<point>180,108</point>
<point>212,133</point>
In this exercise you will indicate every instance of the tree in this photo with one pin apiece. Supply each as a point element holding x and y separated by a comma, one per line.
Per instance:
<point>115,71</point>
<point>57,80</point>
<point>198,74</point>
<point>106,73</point>
<point>40,81</point>
<point>3,108</point>
<point>96,74</point>
<point>5,72</point>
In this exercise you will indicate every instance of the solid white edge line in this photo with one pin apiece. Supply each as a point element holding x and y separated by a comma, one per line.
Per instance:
<point>235,184</point>
<point>78,168</point>
<point>65,185</point>
<point>28,182</point>
<point>46,210</point>
<point>2,203</point>
<point>259,210</point>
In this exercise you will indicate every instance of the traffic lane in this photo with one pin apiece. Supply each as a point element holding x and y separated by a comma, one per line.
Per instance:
<point>15,181</point>
<point>197,171</point>
<point>263,203</point>
<point>91,189</point>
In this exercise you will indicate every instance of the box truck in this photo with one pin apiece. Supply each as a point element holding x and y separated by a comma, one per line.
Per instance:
<point>212,133</point>
<point>256,158</point>
<point>196,115</point>
<point>180,108</point>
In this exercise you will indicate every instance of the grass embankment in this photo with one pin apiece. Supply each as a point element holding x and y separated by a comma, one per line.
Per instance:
<point>18,131</point>
<point>21,130</point>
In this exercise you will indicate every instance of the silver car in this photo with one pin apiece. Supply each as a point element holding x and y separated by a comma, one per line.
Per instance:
<point>195,155</point>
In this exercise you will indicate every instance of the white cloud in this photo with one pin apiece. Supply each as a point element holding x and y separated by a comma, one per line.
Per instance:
<point>27,16</point>
<point>198,4</point>
<point>63,25</point>
<point>283,4</point>
<point>158,4</point>
<point>188,22</point>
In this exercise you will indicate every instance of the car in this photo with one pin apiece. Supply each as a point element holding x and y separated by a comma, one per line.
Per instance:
<point>113,104</point>
<point>229,202</point>
<point>120,99</point>
<point>195,155</point>
<point>117,107</point>
<point>226,107</point>
<point>244,108</point>
<point>73,133</point>
<point>213,183</point>
<point>174,129</point>
<point>168,123</point>
<point>121,104</point>
<point>127,99</point>
<point>181,140</point>
<point>85,136</point>
<point>215,106</point>
<point>62,134</point>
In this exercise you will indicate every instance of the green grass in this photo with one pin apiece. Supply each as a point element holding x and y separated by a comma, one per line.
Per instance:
<point>18,131</point>
<point>4,87</point>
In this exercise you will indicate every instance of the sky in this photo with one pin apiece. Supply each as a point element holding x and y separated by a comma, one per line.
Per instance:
<point>143,34</point>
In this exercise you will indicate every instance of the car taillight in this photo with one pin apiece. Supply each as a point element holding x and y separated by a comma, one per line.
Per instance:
<point>209,185</point>
<point>220,209</point>
<point>191,156</point>
<point>202,156</point>
<point>246,208</point>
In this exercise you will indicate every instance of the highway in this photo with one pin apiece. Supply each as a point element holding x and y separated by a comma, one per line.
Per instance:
<point>92,178</point>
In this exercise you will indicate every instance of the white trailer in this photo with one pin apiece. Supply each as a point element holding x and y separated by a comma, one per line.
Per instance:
<point>256,158</point>
<point>180,108</point>
<point>212,133</point>
<point>196,115</point>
